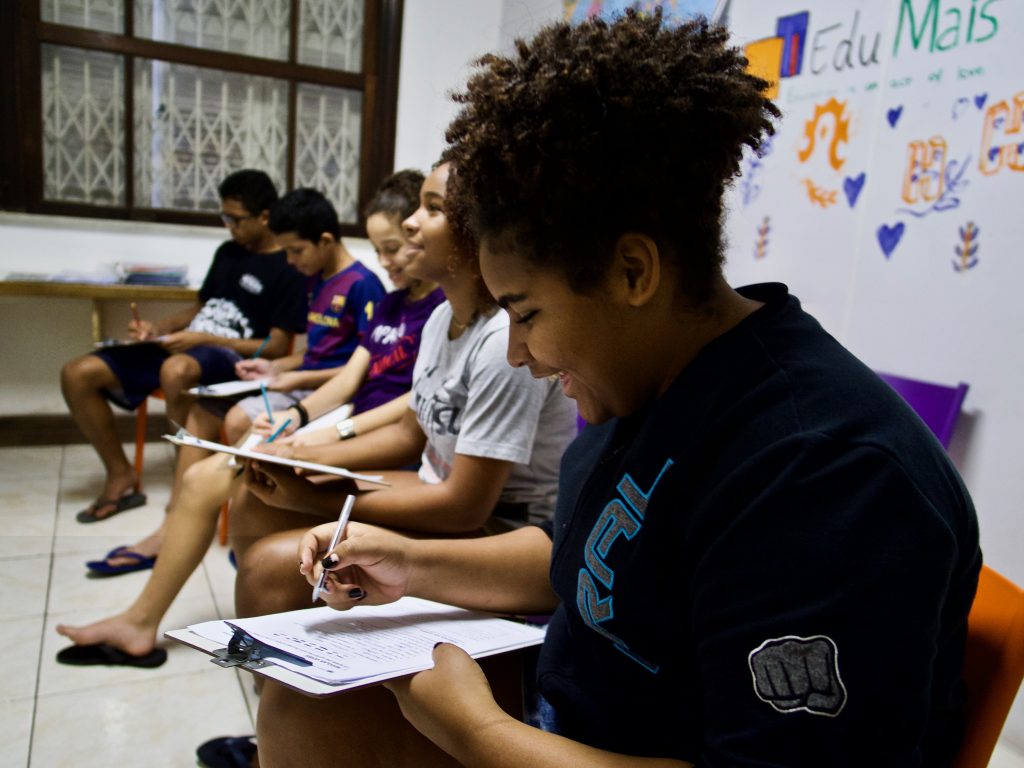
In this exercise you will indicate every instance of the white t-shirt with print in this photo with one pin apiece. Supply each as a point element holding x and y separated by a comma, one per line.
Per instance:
<point>469,400</point>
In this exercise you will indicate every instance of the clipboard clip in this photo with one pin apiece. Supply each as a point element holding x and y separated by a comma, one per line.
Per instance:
<point>182,432</point>
<point>243,651</point>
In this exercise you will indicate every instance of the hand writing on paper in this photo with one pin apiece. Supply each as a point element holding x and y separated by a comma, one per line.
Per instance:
<point>450,701</point>
<point>141,329</point>
<point>261,425</point>
<point>371,561</point>
<point>249,370</point>
<point>181,341</point>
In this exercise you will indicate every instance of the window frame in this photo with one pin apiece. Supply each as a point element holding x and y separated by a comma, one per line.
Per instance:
<point>23,33</point>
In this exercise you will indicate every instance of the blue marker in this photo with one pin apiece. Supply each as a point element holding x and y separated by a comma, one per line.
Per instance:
<point>279,430</point>
<point>266,403</point>
<point>260,348</point>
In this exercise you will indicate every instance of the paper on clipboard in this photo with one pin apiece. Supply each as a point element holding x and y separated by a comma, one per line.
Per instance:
<point>370,644</point>
<point>228,388</point>
<point>197,442</point>
<point>109,343</point>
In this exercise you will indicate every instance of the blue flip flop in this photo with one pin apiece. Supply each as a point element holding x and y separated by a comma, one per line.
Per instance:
<point>103,568</point>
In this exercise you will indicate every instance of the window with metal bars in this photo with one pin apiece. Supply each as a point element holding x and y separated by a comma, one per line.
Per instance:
<point>137,109</point>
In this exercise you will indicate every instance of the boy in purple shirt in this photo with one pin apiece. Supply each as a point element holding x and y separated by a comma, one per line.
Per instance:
<point>342,296</point>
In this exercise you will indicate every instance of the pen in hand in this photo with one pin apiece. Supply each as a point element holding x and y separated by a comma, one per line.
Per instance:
<point>346,510</point>
<point>260,348</point>
<point>266,403</point>
<point>138,321</point>
<point>279,430</point>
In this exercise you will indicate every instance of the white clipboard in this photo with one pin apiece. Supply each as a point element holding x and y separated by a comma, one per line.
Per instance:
<point>323,469</point>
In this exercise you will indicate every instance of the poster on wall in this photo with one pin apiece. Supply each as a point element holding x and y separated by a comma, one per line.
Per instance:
<point>578,10</point>
<point>901,145</point>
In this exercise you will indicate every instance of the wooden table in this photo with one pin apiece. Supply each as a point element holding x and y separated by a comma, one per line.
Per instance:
<point>97,294</point>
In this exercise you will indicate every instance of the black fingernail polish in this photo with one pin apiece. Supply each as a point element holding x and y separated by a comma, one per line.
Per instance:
<point>438,643</point>
<point>330,561</point>
<point>357,593</point>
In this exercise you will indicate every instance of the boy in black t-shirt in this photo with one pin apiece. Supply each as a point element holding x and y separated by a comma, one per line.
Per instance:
<point>249,294</point>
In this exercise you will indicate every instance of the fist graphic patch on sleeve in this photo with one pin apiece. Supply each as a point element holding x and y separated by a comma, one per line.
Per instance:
<point>799,674</point>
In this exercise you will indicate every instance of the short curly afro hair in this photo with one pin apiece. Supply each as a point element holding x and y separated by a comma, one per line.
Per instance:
<point>591,131</point>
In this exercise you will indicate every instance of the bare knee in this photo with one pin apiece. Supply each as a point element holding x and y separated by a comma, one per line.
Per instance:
<point>86,373</point>
<point>178,373</point>
<point>268,578</point>
<point>236,424</point>
<point>201,484</point>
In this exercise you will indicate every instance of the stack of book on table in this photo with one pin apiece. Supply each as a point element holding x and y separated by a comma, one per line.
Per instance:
<point>152,274</point>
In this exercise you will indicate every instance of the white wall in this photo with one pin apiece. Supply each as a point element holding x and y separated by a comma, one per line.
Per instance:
<point>439,40</point>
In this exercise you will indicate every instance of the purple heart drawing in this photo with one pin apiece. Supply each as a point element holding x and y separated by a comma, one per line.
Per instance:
<point>852,188</point>
<point>893,115</point>
<point>979,100</point>
<point>889,237</point>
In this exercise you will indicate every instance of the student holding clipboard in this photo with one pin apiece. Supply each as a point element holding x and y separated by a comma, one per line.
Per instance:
<point>760,556</point>
<point>375,381</point>
<point>249,294</point>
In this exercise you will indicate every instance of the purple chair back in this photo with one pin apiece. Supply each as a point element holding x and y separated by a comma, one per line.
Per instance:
<point>937,404</point>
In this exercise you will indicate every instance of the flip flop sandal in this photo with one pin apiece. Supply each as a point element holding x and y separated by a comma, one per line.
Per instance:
<point>108,655</point>
<point>104,568</point>
<point>128,501</point>
<point>227,752</point>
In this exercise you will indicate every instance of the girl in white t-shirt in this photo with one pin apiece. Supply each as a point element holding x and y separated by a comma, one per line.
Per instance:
<point>488,437</point>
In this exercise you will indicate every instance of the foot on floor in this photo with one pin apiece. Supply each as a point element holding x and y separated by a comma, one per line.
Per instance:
<point>120,560</point>
<point>108,655</point>
<point>104,509</point>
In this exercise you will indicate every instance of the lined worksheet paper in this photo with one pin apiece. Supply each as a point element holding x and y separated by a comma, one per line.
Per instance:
<point>376,642</point>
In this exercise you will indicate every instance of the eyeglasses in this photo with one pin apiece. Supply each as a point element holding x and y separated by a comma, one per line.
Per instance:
<point>233,221</point>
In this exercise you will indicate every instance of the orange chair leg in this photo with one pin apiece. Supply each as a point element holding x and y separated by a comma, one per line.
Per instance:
<point>141,414</point>
<point>222,524</point>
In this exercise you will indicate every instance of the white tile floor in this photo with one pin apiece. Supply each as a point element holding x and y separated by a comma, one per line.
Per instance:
<point>91,717</point>
<point>53,715</point>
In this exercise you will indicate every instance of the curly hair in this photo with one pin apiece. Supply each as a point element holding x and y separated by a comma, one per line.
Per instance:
<point>467,246</point>
<point>591,131</point>
<point>398,195</point>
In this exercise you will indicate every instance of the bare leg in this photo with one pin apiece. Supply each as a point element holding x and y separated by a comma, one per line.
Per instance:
<point>178,374</point>
<point>366,725</point>
<point>200,423</point>
<point>189,531</point>
<point>236,424</point>
<point>82,382</point>
<point>266,542</point>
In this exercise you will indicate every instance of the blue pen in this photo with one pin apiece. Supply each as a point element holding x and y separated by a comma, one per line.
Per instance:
<point>266,403</point>
<point>279,430</point>
<point>261,347</point>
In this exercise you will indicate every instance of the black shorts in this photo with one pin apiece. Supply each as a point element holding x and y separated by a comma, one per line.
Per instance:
<point>137,367</point>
